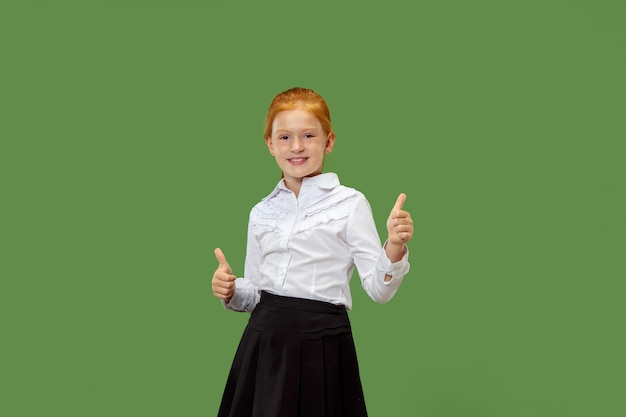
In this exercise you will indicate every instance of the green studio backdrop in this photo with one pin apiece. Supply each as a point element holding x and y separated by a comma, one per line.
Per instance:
<point>132,146</point>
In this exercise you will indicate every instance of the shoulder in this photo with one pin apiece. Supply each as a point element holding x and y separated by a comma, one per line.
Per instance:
<point>357,203</point>
<point>350,192</point>
<point>269,199</point>
<point>268,207</point>
<point>332,187</point>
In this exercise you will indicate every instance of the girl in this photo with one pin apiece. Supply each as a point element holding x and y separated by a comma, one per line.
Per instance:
<point>297,356</point>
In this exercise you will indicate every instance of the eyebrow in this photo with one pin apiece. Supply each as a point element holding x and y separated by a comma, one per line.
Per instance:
<point>288,130</point>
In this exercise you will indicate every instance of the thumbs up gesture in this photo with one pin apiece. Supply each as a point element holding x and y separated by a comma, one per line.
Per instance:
<point>399,224</point>
<point>223,279</point>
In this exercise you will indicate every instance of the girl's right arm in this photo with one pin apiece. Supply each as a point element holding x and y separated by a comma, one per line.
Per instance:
<point>239,294</point>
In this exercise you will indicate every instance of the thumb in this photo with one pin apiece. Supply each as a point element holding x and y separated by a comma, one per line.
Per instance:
<point>221,258</point>
<point>400,202</point>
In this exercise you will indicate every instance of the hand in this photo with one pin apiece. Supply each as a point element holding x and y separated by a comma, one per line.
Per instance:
<point>223,278</point>
<point>399,224</point>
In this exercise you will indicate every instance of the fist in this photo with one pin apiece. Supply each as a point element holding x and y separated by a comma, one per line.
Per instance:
<point>399,223</point>
<point>223,279</point>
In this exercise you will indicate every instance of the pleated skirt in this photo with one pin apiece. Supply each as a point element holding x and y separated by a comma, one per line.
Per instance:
<point>296,358</point>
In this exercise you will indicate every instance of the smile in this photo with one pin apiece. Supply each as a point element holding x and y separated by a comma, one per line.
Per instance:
<point>297,161</point>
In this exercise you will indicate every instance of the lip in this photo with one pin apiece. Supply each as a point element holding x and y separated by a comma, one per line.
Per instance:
<point>297,161</point>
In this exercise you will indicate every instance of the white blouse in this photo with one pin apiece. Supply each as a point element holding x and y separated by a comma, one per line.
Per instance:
<point>307,247</point>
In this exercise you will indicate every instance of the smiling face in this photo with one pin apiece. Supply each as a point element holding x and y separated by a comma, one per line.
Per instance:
<point>299,143</point>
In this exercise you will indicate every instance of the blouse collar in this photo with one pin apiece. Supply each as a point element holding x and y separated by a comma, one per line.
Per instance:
<point>325,181</point>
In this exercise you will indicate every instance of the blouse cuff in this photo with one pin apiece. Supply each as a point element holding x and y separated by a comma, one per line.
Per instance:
<point>394,269</point>
<point>242,298</point>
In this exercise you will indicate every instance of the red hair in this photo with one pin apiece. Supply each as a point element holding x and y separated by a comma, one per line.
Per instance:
<point>299,98</point>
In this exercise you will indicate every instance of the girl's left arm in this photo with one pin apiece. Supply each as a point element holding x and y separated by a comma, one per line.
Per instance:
<point>381,268</point>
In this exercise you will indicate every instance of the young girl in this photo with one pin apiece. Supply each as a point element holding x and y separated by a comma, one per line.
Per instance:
<point>297,356</point>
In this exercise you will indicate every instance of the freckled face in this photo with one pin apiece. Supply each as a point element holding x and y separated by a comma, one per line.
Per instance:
<point>299,143</point>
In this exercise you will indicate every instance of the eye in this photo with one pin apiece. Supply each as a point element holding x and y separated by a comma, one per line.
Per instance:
<point>309,135</point>
<point>283,137</point>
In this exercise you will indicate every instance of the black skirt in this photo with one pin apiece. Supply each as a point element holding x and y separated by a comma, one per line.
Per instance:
<point>296,358</point>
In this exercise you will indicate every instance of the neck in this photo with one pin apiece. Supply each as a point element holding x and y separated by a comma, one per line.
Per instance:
<point>294,186</point>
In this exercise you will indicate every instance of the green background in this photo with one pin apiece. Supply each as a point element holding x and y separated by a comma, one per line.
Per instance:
<point>131,146</point>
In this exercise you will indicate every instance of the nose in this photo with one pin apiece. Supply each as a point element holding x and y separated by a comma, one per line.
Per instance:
<point>297,145</point>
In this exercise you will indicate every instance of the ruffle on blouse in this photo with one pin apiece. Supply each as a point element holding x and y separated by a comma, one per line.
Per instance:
<point>268,215</point>
<point>333,207</point>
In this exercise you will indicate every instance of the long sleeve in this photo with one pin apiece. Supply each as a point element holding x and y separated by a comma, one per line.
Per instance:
<point>370,258</point>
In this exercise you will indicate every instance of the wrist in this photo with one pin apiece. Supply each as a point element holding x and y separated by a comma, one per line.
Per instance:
<point>395,251</point>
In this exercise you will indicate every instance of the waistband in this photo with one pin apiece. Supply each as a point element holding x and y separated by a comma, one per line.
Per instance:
<point>302,304</point>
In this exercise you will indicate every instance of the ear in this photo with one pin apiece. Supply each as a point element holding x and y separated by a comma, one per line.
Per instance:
<point>330,143</point>
<point>270,145</point>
